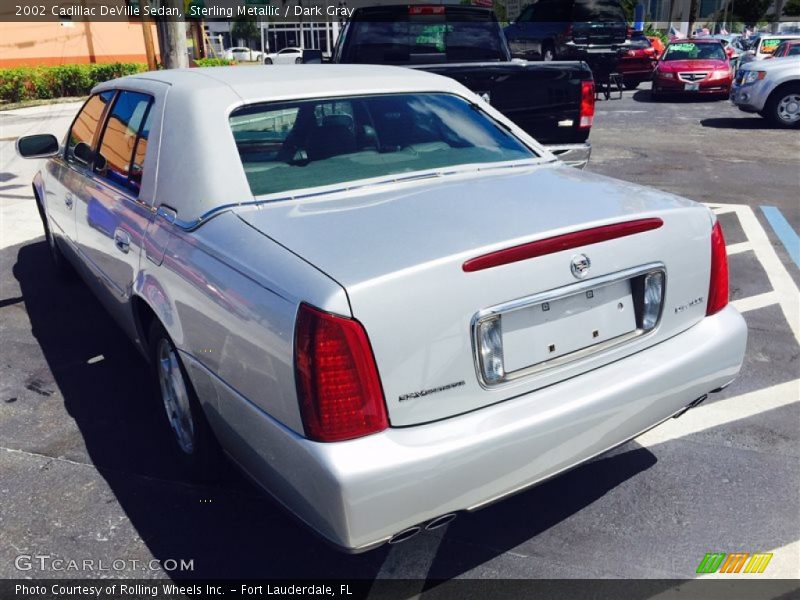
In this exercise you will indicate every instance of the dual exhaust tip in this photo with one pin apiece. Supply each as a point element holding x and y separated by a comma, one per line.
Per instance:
<point>436,523</point>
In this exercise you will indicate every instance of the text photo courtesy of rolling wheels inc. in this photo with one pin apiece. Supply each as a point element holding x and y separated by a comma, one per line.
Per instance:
<point>400,300</point>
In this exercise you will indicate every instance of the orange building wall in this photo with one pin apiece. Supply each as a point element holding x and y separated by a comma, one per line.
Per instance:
<point>53,43</point>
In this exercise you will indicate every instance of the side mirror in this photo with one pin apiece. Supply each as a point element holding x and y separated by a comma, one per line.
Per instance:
<point>83,153</point>
<point>42,145</point>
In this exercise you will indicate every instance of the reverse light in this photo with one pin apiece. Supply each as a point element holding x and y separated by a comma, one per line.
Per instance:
<point>718,285</point>
<point>490,349</point>
<point>338,386</point>
<point>587,105</point>
<point>653,299</point>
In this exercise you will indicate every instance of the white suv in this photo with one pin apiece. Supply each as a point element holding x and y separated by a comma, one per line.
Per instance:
<point>770,88</point>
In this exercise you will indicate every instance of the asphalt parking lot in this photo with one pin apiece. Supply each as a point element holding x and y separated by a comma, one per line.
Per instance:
<point>87,471</point>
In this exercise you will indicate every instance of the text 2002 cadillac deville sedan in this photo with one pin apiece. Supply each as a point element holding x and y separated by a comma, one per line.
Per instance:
<point>385,301</point>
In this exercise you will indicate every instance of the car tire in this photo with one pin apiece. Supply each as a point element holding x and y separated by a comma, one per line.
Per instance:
<point>298,61</point>
<point>62,267</point>
<point>631,85</point>
<point>783,106</point>
<point>186,422</point>
<point>268,61</point>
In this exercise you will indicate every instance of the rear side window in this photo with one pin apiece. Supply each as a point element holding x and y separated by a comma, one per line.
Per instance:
<point>123,146</point>
<point>86,123</point>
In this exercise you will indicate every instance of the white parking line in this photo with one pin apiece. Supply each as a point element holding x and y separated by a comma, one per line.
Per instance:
<point>783,285</point>
<point>716,414</point>
<point>754,302</point>
<point>739,248</point>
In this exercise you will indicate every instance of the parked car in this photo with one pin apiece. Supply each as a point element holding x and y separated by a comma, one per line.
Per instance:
<point>382,298</point>
<point>787,48</point>
<point>241,53</point>
<point>764,46</point>
<point>287,56</point>
<point>636,64</point>
<point>693,66</point>
<point>770,88</point>
<point>568,29</point>
<point>554,103</point>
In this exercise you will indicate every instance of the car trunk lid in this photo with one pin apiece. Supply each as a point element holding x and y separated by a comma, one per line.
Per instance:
<point>400,251</point>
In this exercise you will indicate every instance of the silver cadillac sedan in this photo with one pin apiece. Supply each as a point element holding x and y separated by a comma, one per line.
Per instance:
<point>378,296</point>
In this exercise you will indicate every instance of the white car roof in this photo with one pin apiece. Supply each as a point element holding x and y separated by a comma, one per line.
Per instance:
<point>274,82</point>
<point>199,168</point>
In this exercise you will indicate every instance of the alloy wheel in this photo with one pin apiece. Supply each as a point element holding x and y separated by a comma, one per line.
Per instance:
<point>175,396</point>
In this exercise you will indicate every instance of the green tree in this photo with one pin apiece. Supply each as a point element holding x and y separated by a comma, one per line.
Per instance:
<point>792,8</point>
<point>245,29</point>
<point>749,12</point>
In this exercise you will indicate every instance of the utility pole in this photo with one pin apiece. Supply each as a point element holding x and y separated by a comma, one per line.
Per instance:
<point>149,49</point>
<point>172,39</point>
<point>777,16</point>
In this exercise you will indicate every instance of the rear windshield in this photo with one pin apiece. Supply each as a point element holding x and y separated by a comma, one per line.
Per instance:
<point>309,143</point>
<point>598,10</point>
<point>689,51</point>
<point>427,40</point>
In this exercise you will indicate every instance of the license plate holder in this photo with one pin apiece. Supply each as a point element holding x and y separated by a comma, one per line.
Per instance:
<point>565,325</point>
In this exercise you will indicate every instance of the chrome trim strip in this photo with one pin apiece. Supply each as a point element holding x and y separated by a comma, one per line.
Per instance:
<point>556,294</point>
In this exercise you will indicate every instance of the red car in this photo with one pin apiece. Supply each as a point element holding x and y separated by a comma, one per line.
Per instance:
<point>636,64</point>
<point>693,66</point>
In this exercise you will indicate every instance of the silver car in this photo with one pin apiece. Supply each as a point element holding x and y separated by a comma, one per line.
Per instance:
<point>378,296</point>
<point>770,88</point>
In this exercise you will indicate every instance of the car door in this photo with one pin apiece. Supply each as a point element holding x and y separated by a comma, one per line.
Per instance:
<point>68,174</point>
<point>287,56</point>
<point>111,218</point>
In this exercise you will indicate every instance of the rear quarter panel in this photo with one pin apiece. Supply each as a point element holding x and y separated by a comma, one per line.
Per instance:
<point>228,297</point>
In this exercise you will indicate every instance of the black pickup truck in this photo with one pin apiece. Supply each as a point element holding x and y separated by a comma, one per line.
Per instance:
<point>553,101</point>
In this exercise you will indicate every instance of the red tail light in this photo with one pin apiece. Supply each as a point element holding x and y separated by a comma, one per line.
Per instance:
<point>426,10</point>
<point>718,286</point>
<point>568,32</point>
<point>587,105</point>
<point>337,381</point>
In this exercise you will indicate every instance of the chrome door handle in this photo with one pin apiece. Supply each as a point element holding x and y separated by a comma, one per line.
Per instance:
<point>68,200</point>
<point>122,240</point>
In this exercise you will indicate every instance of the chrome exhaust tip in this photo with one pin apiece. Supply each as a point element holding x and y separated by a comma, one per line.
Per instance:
<point>440,521</point>
<point>405,535</point>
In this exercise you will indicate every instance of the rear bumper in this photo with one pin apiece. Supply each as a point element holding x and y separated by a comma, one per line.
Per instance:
<point>636,70</point>
<point>575,155</point>
<point>360,493</point>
